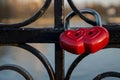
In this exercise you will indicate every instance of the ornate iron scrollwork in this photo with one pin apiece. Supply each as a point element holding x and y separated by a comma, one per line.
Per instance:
<point>58,74</point>
<point>107,74</point>
<point>79,58</point>
<point>28,21</point>
<point>18,69</point>
<point>37,54</point>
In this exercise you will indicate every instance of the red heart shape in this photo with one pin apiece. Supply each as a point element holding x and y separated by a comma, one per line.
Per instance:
<point>96,38</point>
<point>72,41</point>
<point>84,40</point>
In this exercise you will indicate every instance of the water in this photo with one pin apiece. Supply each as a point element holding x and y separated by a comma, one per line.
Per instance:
<point>103,61</point>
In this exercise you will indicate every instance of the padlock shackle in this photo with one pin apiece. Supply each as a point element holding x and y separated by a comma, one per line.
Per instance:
<point>86,10</point>
<point>76,10</point>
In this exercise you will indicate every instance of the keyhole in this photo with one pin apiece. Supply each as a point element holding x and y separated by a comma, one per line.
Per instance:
<point>90,33</point>
<point>76,34</point>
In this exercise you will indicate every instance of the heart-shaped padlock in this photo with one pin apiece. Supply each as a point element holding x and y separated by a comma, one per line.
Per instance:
<point>84,39</point>
<point>96,38</point>
<point>72,40</point>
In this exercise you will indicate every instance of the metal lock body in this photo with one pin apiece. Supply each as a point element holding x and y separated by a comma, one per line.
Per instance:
<point>72,41</point>
<point>96,38</point>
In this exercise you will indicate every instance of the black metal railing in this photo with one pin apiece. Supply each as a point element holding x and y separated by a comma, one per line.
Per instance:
<point>17,35</point>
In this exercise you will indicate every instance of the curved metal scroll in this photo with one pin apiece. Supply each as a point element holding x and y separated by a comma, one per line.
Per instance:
<point>74,64</point>
<point>99,77</point>
<point>29,20</point>
<point>18,69</point>
<point>37,54</point>
<point>86,11</point>
<point>80,14</point>
<point>79,58</point>
<point>107,74</point>
<point>41,57</point>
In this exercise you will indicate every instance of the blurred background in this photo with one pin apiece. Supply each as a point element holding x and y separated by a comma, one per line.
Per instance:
<point>14,11</point>
<point>17,10</point>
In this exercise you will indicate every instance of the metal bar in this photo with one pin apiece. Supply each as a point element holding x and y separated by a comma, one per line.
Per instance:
<point>58,11</point>
<point>59,55</point>
<point>47,35</point>
<point>114,31</point>
<point>29,35</point>
<point>59,63</point>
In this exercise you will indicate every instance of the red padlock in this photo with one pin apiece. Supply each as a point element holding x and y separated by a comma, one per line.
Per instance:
<point>96,38</point>
<point>72,41</point>
<point>84,39</point>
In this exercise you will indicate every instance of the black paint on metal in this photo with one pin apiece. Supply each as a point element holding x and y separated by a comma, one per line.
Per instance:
<point>106,75</point>
<point>47,35</point>
<point>74,8</point>
<point>29,35</point>
<point>28,21</point>
<point>41,57</point>
<point>59,54</point>
<point>18,69</point>
<point>14,35</point>
<point>74,64</point>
